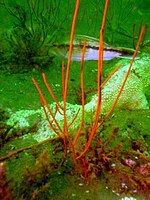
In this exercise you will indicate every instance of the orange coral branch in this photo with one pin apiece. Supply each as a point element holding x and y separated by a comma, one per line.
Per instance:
<point>105,81</point>
<point>74,118</point>
<point>127,74</point>
<point>68,64</point>
<point>50,91</point>
<point>67,80</point>
<point>63,78</point>
<point>51,123</point>
<point>44,103</point>
<point>13,153</point>
<point>110,75</point>
<point>100,65</point>
<point>82,89</point>
<point>70,49</point>
<point>118,95</point>
<point>68,69</point>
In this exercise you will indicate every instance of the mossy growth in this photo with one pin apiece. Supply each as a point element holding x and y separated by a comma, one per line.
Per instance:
<point>44,170</point>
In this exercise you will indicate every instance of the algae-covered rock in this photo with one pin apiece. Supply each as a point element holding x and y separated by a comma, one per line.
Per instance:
<point>30,118</point>
<point>132,98</point>
<point>133,95</point>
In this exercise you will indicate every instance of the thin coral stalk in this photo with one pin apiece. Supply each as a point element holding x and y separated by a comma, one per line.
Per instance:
<point>60,132</point>
<point>118,95</point>
<point>82,90</point>
<point>70,48</point>
<point>13,153</point>
<point>100,65</point>
<point>74,118</point>
<point>67,80</point>
<point>105,81</point>
<point>51,122</point>
<point>110,75</point>
<point>63,78</point>
<point>50,91</point>
<point>68,66</point>
<point>44,103</point>
<point>127,74</point>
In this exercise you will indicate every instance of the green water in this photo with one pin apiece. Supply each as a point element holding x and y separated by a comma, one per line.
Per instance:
<point>121,17</point>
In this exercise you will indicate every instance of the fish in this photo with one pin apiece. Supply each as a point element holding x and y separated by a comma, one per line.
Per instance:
<point>92,49</point>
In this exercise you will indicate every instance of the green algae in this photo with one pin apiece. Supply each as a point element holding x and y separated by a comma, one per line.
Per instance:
<point>128,126</point>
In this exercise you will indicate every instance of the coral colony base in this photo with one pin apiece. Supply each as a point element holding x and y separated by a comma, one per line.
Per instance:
<point>78,127</point>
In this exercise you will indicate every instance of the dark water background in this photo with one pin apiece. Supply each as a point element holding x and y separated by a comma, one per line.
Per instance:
<point>121,17</point>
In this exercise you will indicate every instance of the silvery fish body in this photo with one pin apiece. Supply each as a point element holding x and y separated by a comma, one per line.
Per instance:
<point>92,48</point>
